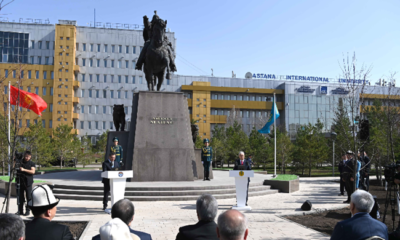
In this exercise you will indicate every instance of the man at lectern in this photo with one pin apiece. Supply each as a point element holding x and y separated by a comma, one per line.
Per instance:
<point>243,164</point>
<point>109,165</point>
<point>206,158</point>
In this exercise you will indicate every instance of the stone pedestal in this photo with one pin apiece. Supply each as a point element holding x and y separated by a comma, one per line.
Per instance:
<point>160,146</point>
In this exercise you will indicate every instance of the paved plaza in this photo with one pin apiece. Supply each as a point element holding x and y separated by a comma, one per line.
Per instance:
<point>162,219</point>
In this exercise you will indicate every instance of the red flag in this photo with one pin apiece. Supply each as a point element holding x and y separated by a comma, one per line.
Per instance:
<point>27,100</point>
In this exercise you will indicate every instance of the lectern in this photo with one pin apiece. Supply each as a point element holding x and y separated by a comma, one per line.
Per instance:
<point>117,185</point>
<point>241,187</point>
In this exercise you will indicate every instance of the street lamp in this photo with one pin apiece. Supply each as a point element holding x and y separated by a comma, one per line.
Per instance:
<point>333,137</point>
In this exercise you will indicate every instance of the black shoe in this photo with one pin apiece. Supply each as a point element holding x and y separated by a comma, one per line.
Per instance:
<point>204,179</point>
<point>27,213</point>
<point>208,179</point>
<point>19,213</point>
<point>347,201</point>
<point>104,207</point>
<point>341,194</point>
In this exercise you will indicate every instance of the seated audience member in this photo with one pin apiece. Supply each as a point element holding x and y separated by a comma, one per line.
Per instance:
<point>43,204</point>
<point>232,225</point>
<point>125,211</point>
<point>11,227</point>
<point>361,225</point>
<point>116,229</point>
<point>205,228</point>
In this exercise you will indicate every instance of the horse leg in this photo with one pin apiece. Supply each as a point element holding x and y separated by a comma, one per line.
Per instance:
<point>149,79</point>
<point>166,62</point>
<point>154,81</point>
<point>160,77</point>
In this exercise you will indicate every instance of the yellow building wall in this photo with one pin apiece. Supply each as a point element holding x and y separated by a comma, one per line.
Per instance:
<point>201,110</point>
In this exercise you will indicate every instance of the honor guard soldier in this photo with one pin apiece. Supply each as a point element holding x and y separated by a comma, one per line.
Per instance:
<point>117,149</point>
<point>206,158</point>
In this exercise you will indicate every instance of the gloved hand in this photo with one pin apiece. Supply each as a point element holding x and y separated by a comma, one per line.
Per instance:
<point>202,162</point>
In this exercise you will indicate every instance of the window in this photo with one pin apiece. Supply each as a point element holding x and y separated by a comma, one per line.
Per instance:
<point>97,77</point>
<point>112,48</point>
<point>133,79</point>
<point>83,109</point>
<point>29,74</point>
<point>104,109</point>
<point>83,62</point>
<point>32,60</point>
<point>51,107</point>
<point>39,60</point>
<point>141,48</point>
<point>83,77</point>
<point>37,90</point>
<point>37,74</point>
<point>40,44</point>
<point>119,78</point>
<point>112,78</point>
<point>90,109</point>
<point>105,47</point>
<point>51,91</point>
<point>46,60</point>
<point>90,77</point>
<point>126,94</point>
<point>47,45</point>
<point>105,78</point>
<point>82,124</point>
<point>90,125</point>
<point>120,48</point>
<point>44,91</point>
<point>168,81</point>
<point>44,74</point>
<point>50,123</point>
<point>14,73</point>
<point>52,75</point>
<point>112,93</point>
<point>98,47</point>
<point>119,64</point>
<point>126,79</point>
<point>141,80</point>
<point>104,93</point>
<point>33,44</point>
<point>29,89</point>
<point>134,50</point>
<point>133,64</point>
<point>98,63</point>
<point>84,47</point>
<point>91,47</point>
<point>126,110</point>
<point>43,123</point>
<point>126,64</point>
<point>6,73</point>
<point>97,93</point>
<point>112,63</point>
<point>105,63</point>
<point>97,124</point>
<point>61,38</point>
<point>91,62</point>
<point>111,125</point>
<point>104,125</point>
<point>96,109</point>
<point>127,49</point>
<point>119,94</point>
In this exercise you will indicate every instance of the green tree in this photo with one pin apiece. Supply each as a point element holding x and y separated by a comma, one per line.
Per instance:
<point>84,150</point>
<point>101,144</point>
<point>259,147</point>
<point>38,141</point>
<point>64,142</point>
<point>236,140</point>
<point>218,143</point>
<point>284,149</point>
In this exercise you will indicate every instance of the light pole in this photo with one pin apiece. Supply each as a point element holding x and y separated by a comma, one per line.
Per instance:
<point>333,137</point>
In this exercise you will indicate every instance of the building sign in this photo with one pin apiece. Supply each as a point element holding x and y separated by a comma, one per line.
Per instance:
<point>305,89</point>
<point>324,90</point>
<point>161,120</point>
<point>304,78</point>
<point>340,90</point>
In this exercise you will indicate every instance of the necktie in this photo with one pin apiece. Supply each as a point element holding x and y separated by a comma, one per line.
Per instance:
<point>241,162</point>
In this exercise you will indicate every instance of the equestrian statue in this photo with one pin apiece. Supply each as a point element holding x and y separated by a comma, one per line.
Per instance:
<point>157,55</point>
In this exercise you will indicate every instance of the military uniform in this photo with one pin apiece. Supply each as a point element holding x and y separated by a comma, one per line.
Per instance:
<point>206,158</point>
<point>118,151</point>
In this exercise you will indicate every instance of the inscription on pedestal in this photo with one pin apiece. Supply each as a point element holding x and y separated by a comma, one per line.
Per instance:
<point>161,120</point>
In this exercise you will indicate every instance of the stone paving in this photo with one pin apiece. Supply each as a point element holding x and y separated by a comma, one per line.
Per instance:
<point>163,219</point>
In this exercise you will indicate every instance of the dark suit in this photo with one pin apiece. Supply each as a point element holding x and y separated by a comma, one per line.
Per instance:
<point>341,168</point>
<point>203,230</point>
<point>141,235</point>
<point>43,229</point>
<point>106,182</point>
<point>360,226</point>
<point>247,163</point>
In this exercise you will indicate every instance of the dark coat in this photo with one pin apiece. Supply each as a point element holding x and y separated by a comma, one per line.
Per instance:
<point>203,230</point>
<point>246,162</point>
<point>108,167</point>
<point>43,229</point>
<point>341,166</point>
<point>360,226</point>
<point>141,235</point>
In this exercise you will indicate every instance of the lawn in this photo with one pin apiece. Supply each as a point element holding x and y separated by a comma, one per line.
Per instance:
<point>6,179</point>
<point>285,177</point>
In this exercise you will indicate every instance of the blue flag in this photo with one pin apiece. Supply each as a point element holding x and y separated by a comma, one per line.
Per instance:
<point>272,117</point>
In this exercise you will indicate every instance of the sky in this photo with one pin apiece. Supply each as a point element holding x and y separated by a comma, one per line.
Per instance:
<point>287,37</point>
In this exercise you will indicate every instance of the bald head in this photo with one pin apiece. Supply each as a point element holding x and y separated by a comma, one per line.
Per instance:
<point>232,225</point>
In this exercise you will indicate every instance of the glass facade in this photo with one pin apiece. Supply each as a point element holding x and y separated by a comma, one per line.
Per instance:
<point>14,47</point>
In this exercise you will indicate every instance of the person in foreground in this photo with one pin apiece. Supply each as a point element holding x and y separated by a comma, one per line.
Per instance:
<point>125,211</point>
<point>11,227</point>
<point>232,225</point>
<point>361,225</point>
<point>44,208</point>
<point>205,228</point>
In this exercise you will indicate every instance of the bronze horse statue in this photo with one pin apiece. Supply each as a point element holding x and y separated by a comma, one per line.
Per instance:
<point>157,54</point>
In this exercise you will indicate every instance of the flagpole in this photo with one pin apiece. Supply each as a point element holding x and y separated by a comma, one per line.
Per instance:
<point>274,136</point>
<point>9,127</point>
